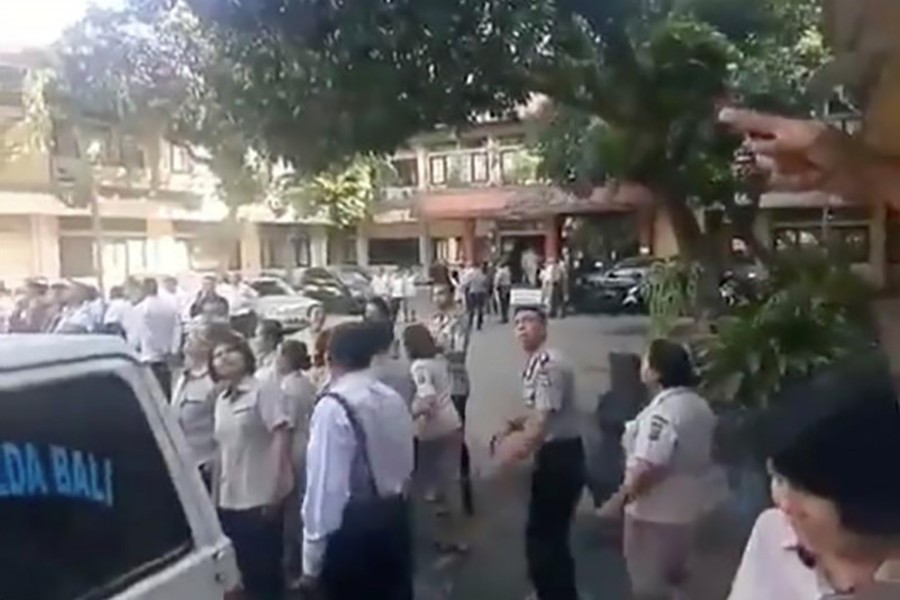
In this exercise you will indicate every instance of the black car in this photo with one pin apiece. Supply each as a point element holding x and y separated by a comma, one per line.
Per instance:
<point>326,287</point>
<point>606,290</point>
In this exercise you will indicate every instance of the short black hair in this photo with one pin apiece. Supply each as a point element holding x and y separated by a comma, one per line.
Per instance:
<point>116,292</point>
<point>238,343</point>
<point>272,330</point>
<point>381,336</point>
<point>381,306</point>
<point>297,355</point>
<point>672,364</point>
<point>150,286</point>
<point>419,342</point>
<point>831,435</point>
<point>537,309</point>
<point>351,346</point>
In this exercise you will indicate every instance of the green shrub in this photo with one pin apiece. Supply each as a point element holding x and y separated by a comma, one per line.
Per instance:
<point>811,311</point>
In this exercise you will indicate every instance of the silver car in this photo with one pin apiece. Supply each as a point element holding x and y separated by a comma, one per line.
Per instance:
<point>280,302</point>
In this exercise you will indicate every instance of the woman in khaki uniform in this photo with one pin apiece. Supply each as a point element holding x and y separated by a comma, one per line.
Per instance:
<point>669,475</point>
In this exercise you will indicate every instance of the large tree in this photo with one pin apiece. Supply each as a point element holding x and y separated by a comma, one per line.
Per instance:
<point>315,83</point>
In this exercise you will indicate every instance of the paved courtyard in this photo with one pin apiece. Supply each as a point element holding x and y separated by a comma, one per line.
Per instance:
<point>495,569</point>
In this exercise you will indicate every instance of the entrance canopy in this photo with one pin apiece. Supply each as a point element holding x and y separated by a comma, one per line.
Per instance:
<point>528,202</point>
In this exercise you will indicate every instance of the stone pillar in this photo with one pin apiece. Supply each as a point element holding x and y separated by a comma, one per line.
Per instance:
<point>318,245</point>
<point>425,257</point>
<point>362,247</point>
<point>45,246</point>
<point>552,239</point>
<point>468,241</point>
<point>422,167</point>
<point>162,253</point>
<point>251,247</point>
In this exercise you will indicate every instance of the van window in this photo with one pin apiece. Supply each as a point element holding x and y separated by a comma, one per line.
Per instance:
<point>87,506</point>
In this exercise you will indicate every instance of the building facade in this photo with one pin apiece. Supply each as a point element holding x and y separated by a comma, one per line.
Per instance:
<point>158,208</point>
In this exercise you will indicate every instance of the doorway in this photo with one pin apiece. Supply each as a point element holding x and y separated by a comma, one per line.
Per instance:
<point>514,247</point>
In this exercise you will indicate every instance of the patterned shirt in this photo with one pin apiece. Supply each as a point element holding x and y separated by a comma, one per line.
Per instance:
<point>451,333</point>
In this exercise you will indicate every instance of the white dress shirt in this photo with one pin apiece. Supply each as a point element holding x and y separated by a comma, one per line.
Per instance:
<point>398,286</point>
<point>158,329</point>
<point>301,400</point>
<point>121,312</point>
<point>409,286</point>
<point>246,419</point>
<point>388,426</point>
<point>772,569</point>
<point>381,286</point>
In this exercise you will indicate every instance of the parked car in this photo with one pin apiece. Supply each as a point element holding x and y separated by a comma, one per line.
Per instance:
<point>101,498</point>
<point>611,290</point>
<point>280,302</point>
<point>357,280</point>
<point>323,285</point>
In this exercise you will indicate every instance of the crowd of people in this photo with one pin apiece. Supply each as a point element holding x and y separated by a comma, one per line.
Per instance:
<point>313,445</point>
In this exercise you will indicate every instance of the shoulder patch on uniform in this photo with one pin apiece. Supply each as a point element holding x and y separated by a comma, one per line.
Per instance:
<point>657,424</point>
<point>420,375</point>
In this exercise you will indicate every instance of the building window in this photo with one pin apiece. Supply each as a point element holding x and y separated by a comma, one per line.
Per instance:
<point>850,242</point>
<point>76,257</point>
<point>179,159</point>
<point>302,251</point>
<point>438,170</point>
<point>509,166</point>
<point>479,167</point>
<point>406,171</point>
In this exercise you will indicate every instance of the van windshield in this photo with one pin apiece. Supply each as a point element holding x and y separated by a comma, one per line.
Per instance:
<point>87,505</point>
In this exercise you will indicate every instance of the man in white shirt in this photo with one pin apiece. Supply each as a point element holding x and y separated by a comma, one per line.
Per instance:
<point>172,292</point>
<point>158,334</point>
<point>120,316</point>
<point>381,284</point>
<point>241,300</point>
<point>79,314</point>
<point>503,287</point>
<point>356,540</point>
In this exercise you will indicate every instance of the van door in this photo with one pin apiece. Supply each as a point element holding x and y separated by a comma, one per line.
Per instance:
<point>88,506</point>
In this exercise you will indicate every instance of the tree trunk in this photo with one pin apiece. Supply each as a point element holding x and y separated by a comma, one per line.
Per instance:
<point>694,245</point>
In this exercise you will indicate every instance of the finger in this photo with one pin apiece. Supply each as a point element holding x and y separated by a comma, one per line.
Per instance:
<point>796,182</point>
<point>763,147</point>
<point>750,121</point>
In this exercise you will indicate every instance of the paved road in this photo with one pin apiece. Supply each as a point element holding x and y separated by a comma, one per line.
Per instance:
<point>495,569</point>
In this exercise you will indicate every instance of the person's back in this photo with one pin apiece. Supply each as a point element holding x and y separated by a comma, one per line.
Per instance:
<point>684,492</point>
<point>443,418</point>
<point>385,418</point>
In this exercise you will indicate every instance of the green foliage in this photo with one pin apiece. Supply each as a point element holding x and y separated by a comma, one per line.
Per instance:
<point>670,291</point>
<point>32,132</point>
<point>343,195</point>
<point>813,311</point>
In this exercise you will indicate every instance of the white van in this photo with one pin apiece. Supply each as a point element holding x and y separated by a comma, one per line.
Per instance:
<point>98,498</point>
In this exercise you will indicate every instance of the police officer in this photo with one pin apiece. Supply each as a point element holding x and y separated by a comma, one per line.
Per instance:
<point>357,540</point>
<point>550,433</point>
<point>450,331</point>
